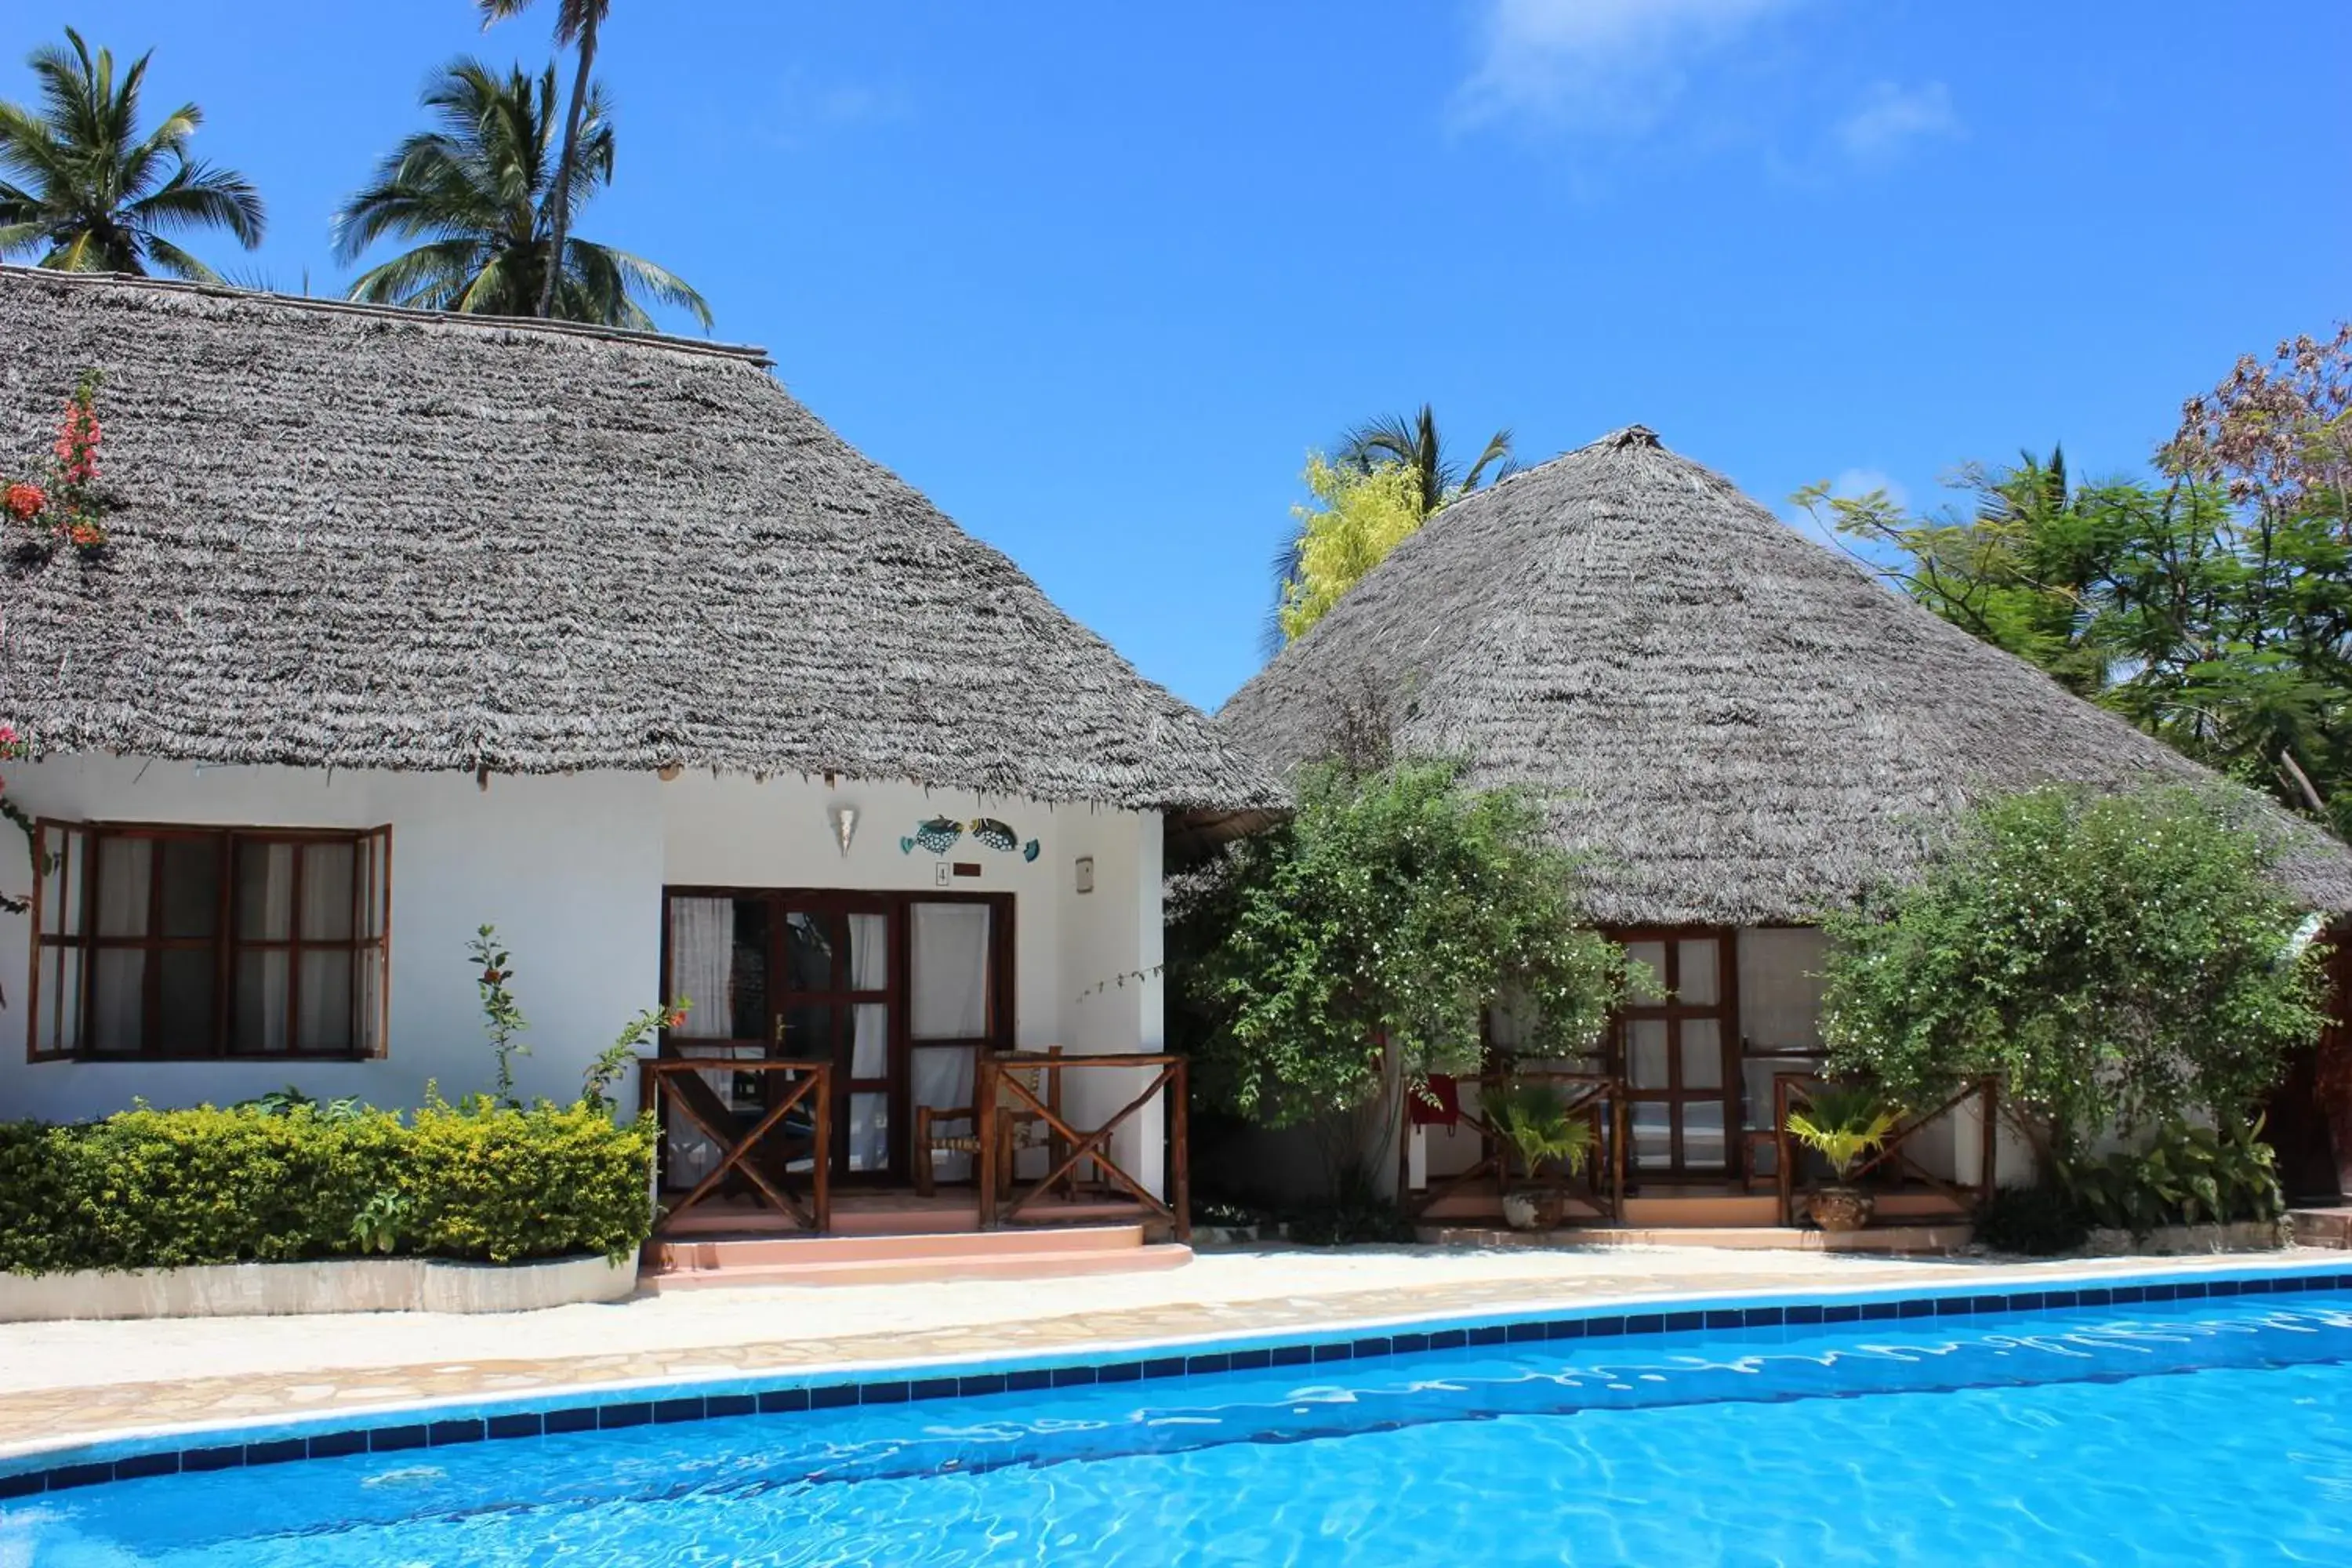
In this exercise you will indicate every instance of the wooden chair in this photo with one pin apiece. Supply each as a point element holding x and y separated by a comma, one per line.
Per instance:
<point>1016,1129</point>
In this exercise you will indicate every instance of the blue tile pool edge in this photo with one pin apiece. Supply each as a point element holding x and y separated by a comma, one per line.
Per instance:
<point>579,1408</point>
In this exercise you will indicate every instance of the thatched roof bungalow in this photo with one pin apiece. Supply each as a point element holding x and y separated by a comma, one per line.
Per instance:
<point>1735,729</point>
<point>632,655</point>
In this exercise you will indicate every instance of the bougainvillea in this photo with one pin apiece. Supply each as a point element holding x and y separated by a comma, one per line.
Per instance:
<point>61,507</point>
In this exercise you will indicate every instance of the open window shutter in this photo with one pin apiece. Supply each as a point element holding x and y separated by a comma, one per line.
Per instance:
<point>372,924</point>
<point>60,967</point>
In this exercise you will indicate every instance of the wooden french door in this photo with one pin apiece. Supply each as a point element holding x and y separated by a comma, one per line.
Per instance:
<point>899,992</point>
<point>1675,1045</point>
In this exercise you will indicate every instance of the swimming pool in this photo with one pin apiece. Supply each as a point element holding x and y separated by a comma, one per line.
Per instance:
<point>2215,1428</point>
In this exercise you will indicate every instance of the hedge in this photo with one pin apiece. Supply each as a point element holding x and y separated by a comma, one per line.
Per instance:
<point>167,1188</point>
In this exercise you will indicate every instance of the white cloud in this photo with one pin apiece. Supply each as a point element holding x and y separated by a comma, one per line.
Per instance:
<point>1855,483</point>
<point>1597,64</point>
<point>1890,117</point>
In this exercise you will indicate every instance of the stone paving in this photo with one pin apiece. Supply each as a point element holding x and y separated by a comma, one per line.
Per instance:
<point>77,1380</point>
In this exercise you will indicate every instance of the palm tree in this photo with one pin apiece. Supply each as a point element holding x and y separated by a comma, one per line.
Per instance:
<point>576,22</point>
<point>1414,442</point>
<point>1410,441</point>
<point>79,183</point>
<point>481,192</point>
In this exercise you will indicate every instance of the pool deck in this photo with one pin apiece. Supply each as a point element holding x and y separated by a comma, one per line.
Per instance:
<point>67,1382</point>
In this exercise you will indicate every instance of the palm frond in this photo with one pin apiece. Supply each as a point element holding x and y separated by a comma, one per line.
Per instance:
<point>637,276</point>
<point>171,260</point>
<point>482,182</point>
<point>201,196</point>
<point>429,278</point>
<point>93,188</point>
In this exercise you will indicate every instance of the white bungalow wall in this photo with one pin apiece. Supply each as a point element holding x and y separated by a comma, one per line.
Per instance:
<point>570,871</point>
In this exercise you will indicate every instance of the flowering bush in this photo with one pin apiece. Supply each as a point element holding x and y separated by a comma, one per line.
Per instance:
<point>2125,960</point>
<point>62,507</point>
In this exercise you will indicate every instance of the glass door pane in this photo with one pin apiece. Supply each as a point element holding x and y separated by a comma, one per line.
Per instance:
<point>1678,1028</point>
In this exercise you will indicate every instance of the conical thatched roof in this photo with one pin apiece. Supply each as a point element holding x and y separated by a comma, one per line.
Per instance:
<point>364,538</point>
<point>1732,723</point>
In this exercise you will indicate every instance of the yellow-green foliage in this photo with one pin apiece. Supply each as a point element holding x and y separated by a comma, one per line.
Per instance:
<point>1360,518</point>
<point>508,1184</point>
<point>166,1188</point>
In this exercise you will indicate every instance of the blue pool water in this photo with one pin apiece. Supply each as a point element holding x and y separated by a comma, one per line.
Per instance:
<point>2211,1432</point>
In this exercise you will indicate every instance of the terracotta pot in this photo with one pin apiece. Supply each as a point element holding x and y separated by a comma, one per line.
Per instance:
<point>1533,1210</point>
<point>1840,1208</point>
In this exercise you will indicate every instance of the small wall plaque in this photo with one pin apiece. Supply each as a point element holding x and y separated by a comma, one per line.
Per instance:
<point>1086,873</point>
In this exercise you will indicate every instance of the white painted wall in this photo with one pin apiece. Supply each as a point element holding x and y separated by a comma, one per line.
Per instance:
<point>1112,985</point>
<point>571,869</point>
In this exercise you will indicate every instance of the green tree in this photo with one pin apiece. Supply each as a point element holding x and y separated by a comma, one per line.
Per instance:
<point>578,23</point>
<point>1390,476</point>
<point>2211,604</point>
<point>1367,936</point>
<point>1360,518</point>
<point>80,184</point>
<point>479,190</point>
<point>2121,960</point>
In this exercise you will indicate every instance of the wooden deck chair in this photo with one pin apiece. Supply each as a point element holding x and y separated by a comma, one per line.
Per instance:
<point>1017,1128</point>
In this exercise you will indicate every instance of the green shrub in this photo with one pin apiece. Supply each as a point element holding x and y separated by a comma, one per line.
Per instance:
<point>512,1184</point>
<point>289,1180</point>
<point>2121,961</point>
<point>2033,1221</point>
<point>2186,1175</point>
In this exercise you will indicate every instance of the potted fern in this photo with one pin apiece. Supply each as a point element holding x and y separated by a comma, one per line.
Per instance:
<point>1535,1124</point>
<point>1844,1124</point>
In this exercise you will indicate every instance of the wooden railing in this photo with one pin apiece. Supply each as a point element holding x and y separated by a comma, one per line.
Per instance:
<point>1597,1097</point>
<point>760,1155</point>
<point>1017,1088</point>
<point>1792,1089</point>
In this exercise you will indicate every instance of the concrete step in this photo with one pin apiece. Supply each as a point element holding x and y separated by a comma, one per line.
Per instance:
<point>1709,1210</point>
<point>675,1255</point>
<point>913,1217</point>
<point>1903,1239</point>
<point>2329,1227</point>
<point>926,1271</point>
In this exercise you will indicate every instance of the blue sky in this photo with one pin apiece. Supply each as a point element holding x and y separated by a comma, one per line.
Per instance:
<point>1096,276</point>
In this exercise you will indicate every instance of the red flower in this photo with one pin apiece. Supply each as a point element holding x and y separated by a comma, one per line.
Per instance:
<point>87,534</point>
<point>24,500</point>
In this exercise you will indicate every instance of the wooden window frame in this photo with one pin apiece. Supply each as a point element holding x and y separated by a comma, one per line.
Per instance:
<point>371,928</point>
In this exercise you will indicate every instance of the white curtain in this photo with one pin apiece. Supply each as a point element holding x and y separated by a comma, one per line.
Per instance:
<point>869,952</point>
<point>949,1000</point>
<point>702,965</point>
<point>702,970</point>
<point>266,910</point>
<point>869,1041</point>
<point>124,866</point>
<point>328,870</point>
<point>950,972</point>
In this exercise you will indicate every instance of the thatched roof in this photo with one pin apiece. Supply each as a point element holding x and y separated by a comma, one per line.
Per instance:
<point>1731,722</point>
<point>355,537</point>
